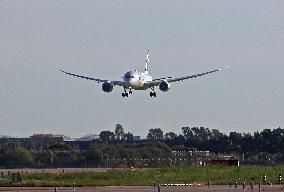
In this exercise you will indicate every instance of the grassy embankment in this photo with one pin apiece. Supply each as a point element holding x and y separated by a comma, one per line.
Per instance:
<point>216,174</point>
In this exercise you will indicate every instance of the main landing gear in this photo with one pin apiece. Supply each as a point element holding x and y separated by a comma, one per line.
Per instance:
<point>153,94</point>
<point>124,94</point>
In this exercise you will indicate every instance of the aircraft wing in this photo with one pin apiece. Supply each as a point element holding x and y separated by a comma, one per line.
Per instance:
<point>120,83</point>
<point>156,82</point>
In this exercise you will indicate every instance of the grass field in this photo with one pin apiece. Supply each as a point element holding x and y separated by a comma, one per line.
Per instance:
<point>216,174</point>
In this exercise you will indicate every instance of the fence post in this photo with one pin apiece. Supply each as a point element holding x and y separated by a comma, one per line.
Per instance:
<point>13,177</point>
<point>19,177</point>
<point>264,178</point>
<point>157,188</point>
<point>279,178</point>
<point>209,184</point>
<point>259,186</point>
<point>251,186</point>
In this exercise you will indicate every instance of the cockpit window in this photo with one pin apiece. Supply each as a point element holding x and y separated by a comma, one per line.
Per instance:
<point>128,76</point>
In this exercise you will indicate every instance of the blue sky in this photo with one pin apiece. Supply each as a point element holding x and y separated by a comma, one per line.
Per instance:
<point>105,39</point>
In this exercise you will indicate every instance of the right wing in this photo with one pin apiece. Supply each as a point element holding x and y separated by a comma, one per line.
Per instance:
<point>119,83</point>
<point>191,76</point>
<point>156,82</point>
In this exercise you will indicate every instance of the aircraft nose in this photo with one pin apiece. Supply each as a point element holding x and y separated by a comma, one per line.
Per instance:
<point>128,81</point>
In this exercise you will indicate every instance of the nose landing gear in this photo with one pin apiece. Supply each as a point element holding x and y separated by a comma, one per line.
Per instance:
<point>125,94</point>
<point>153,94</point>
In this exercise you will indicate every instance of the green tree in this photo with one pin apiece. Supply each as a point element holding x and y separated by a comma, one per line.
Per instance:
<point>19,157</point>
<point>46,157</point>
<point>107,136</point>
<point>170,136</point>
<point>155,134</point>
<point>119,132</point>
<point>128,137</point>
<point>187,132</point>
<point>94,154</point>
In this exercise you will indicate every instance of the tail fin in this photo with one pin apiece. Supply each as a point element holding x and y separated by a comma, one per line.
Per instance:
<point>147,61</point>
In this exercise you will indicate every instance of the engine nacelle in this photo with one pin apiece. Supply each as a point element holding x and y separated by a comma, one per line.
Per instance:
<point>107,87</point>
<point>164,85</point>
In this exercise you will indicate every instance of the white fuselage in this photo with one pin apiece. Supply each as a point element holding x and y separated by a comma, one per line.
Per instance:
<point>136,80</point>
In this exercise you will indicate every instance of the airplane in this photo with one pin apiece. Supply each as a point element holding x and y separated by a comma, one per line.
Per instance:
<point>134,80</point>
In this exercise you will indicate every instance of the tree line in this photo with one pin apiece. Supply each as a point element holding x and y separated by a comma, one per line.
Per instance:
<point>121,146</point>
<point>201,138</point>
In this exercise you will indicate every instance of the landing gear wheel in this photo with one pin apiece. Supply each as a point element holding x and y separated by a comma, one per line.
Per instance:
<point>124,94</point>
<point>153,94</point>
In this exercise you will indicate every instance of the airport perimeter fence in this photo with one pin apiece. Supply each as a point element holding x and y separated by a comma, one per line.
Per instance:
<point>250,186</point>
<point>265,182</point>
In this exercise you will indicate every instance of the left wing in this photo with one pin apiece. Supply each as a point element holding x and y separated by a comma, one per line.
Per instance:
<point>156,82</point>
<point>120,83</point>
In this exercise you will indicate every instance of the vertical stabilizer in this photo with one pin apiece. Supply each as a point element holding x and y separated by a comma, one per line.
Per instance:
<point>147,61</point>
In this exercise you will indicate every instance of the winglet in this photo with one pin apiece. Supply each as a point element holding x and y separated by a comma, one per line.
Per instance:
<point>226,67</point>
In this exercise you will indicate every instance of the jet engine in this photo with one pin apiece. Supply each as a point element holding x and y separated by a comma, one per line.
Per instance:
<point>107,87</point>
<point>164,85</point>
